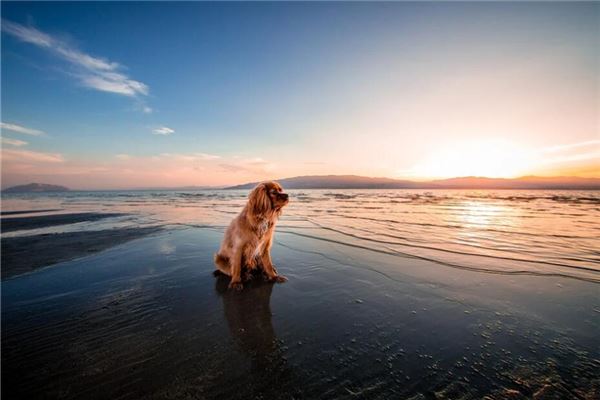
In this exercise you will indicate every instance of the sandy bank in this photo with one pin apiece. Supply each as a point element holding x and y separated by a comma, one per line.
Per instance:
<point>26,253</point>
<point>9,224</point>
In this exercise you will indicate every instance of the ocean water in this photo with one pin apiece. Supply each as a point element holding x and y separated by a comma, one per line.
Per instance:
<point>532,232</point>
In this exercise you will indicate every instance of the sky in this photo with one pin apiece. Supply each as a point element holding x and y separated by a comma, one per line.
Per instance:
<point>110,95</point>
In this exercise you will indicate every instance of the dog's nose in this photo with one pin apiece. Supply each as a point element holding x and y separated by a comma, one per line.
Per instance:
<point>285,196</point>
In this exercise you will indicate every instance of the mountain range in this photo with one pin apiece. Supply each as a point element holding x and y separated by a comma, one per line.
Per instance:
<point>364,182</point>
<point>469,182</point>
<point>35,188</point>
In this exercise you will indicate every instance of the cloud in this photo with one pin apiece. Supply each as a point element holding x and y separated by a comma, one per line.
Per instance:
<point>163,130</point>
<point>173,157</point>
<point>205,156</point>
<point>93,72</point>
<point>13,142</point>
<point>31,156</point>
<point>146,110</point>
<point>249,165</point>
<point>255,161</point>
<point>593,155</point>
<point>571,152</point>
<point>114,83</point>
<point>570,146</point>
<point>20,129</point>
<point>189,156</point>
<point>29,35</point>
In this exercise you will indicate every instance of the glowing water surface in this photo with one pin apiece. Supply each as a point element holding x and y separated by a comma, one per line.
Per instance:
<point>505,231</point>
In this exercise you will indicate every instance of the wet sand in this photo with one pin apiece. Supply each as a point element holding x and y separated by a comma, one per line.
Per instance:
<point>42,221</point>
<point>19,212</point>
<point>24,254</point>
<point>148,320</point>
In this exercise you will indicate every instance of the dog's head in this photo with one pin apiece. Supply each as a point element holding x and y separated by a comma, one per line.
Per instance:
<point>267,196</point>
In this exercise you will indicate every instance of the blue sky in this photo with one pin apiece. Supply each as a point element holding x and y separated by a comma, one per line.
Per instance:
<point>166,94</point>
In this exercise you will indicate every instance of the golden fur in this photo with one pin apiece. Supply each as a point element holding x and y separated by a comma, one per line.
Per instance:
<point>246,247</point>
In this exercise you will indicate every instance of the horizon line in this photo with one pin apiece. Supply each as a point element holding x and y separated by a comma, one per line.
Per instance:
<point>399,180</point>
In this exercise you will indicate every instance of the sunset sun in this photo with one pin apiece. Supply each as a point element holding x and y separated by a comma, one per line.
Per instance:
<point>493,158</point>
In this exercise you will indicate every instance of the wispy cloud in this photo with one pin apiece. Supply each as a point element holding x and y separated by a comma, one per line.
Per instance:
<point>20,129</point>
<point>163,130</point>
<point>123,157</point>
<point>13,142</point>
<point>93,72</point>
<point>190,156</point>
<point>114,82</point>
<point>31,156</point>
<point>591,155</point>
<point>205,156</point>
<point>570,146</point>
<point>571,152</point>
<point>254,165</point>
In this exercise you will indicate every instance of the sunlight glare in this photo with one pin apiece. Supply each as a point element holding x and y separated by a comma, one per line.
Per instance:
<point>489,158</point>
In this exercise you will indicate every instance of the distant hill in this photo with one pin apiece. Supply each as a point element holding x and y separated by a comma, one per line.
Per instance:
<point>35,188</point>
<point>471,182</point>
<point>337,182</point>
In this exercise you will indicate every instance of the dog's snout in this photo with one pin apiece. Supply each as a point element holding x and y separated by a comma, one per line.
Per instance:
<point>285,196</point>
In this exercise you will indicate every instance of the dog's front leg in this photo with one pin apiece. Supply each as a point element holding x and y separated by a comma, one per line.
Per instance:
<point>268,264</point>
<point>236,270</point>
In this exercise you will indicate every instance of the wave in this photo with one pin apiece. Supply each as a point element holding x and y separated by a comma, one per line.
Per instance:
<point>456,251</point>
<point>449,264</point>
<point>555,229</point>
<point>458,226</point>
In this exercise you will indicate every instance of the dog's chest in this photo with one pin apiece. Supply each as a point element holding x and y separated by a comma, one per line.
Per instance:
<point>263,228</point>
<point>261,231</point>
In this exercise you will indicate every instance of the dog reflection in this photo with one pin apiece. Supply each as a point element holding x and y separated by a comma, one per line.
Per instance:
<point>248,315</point>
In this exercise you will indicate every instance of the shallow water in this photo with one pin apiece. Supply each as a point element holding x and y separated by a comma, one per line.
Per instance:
<point>506,231</point>
<point>148,320</point>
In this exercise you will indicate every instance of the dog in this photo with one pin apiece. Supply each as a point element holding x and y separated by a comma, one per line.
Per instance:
<point>246,247</point>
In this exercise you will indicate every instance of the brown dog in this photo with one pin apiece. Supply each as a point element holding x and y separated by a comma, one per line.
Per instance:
<point>248,239</point>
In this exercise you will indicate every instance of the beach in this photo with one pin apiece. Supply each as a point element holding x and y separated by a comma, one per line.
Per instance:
<point>147,319</point>
<point>24,254</point>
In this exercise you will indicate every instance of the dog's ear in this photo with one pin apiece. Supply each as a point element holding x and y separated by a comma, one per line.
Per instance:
<point>258,200</point>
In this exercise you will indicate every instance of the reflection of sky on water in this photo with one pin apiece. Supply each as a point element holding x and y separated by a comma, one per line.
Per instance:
<point>510,230</point>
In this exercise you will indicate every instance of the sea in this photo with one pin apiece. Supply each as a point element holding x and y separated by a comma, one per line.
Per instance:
<point>518,232</point>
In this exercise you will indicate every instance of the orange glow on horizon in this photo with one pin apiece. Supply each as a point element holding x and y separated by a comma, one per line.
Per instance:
<point>491,158</point>
<point>497,158</point>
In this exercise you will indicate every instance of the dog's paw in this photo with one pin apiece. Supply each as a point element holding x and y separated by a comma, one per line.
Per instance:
<point>278,279</point>
<point>236,286</point>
